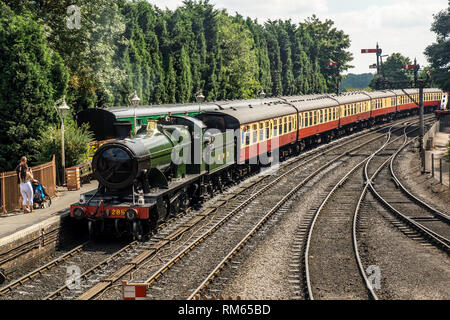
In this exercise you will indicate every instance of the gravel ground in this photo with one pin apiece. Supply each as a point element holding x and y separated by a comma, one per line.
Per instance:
<point>409,269</point>
<point>421,185</point>
<point>268,270</point>
<point>272,267</point>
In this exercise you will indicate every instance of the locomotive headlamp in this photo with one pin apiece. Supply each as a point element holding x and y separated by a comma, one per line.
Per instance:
<point>82,199</point>
<point>131,214</point>
<point>78,213</point>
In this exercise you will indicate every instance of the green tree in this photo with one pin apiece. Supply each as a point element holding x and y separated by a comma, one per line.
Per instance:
<point>32,77</point>
<point>330,44</point>
<point>240,65</point>
<point>356,81</point>
<point>87,48</point>
<point>393,70</point>
<point>438,53</point>
<point>76,143</point>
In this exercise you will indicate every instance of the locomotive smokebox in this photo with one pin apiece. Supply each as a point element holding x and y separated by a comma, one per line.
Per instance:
<point>116,165</point>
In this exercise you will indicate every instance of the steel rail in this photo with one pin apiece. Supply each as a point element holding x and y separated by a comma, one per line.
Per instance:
<point>434,237</point>
<point>434,211</point>
<point>41,269</point>
<point>59,290</point>
<point>354,237</point>
<point>320,152</point>
<point>165,267</point>
<point>318,211</point>
<point>368,285</point>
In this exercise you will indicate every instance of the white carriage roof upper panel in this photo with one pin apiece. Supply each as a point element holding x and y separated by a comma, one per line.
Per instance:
<point>416,91</point>
<point>432,90</point>
<point>380,94</point>
<point>351,97</point>
<point>402,92</point>
<point>247,102</point>
<point>142,111</point>
<point>313,104</point>
<point>304,97</point>
<point>247,115</point>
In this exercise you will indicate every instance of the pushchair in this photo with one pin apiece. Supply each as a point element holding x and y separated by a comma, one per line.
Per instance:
<point>41,199</point>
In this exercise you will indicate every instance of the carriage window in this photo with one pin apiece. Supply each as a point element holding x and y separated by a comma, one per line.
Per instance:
<point>285,124</point>
<point>247,135</point>
<point>275,127</point>
<point>267,130</point>
<point>261,132</point>
<point>255,133</point>
<point>280,127</point>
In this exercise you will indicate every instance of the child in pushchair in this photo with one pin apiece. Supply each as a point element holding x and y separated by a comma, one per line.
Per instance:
<point>40,199</point>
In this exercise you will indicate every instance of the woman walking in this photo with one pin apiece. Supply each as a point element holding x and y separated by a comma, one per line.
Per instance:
<point>26,177</point>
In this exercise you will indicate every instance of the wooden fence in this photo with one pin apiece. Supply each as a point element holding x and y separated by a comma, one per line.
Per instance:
<point>10,190</point>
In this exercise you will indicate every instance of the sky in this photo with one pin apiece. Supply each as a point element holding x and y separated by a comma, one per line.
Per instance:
<point>401,26</point>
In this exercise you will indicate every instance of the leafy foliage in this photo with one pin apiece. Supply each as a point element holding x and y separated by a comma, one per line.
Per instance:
<point>166,56</point>
<point>76,143</point>
<point>32,77</point>
<point>438,53</point>
<point>356,81</point>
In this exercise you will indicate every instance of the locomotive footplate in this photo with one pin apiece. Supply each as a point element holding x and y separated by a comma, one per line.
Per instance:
<point>96,206</point>
<point>125,210</point>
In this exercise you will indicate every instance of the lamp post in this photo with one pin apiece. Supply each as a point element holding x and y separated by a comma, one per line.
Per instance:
<point>134,102</point>
<point>62,111</point>
<point>200,98</point>
<point>261,94</point>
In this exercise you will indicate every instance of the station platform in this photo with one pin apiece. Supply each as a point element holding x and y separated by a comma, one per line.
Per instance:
<point>17,222</point>
<point>20,230</point>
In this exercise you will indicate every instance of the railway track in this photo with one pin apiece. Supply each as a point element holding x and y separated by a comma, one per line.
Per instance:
<point>280,205</point>
<point>218,222</point>
<point>414,217</point>
<point>107,272</point>
<point>332,263</point>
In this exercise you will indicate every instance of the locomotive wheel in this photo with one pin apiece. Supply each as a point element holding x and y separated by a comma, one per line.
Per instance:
<point>117,228</point>
<point>183,202</point>
<point>91,229</point>
<point>138,231</point>
<point>175,207</point>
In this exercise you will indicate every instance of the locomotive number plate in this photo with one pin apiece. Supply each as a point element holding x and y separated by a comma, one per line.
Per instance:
<point>118,212</point>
